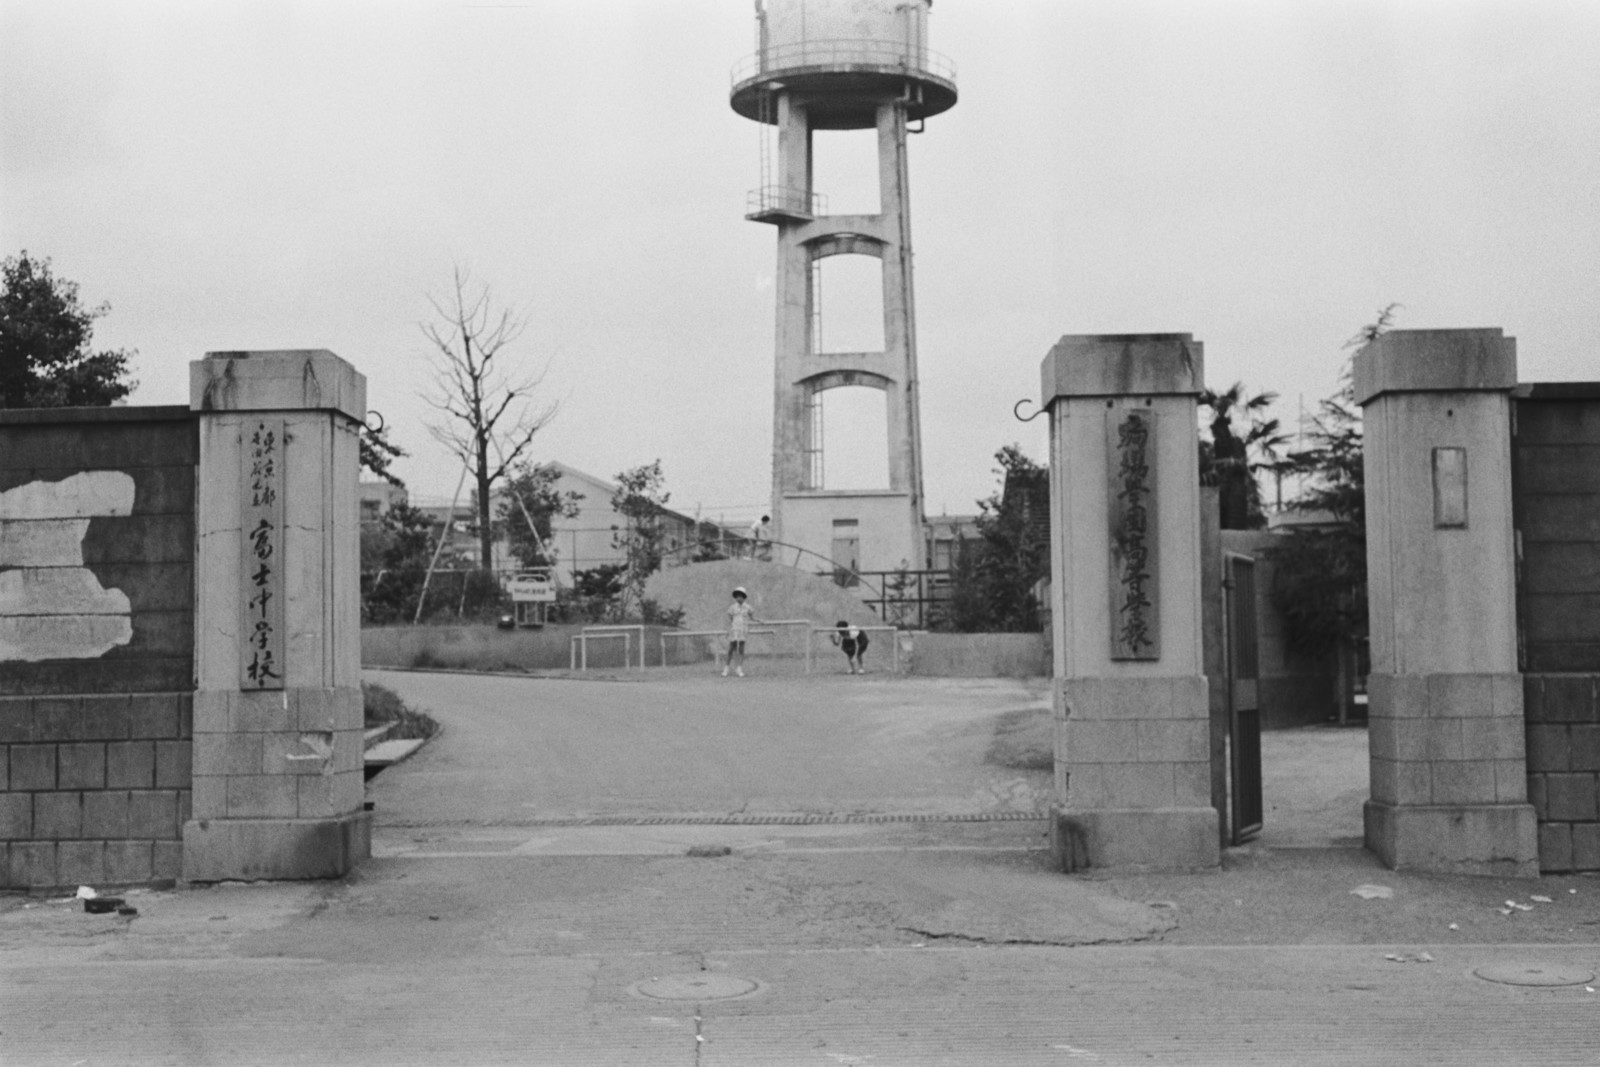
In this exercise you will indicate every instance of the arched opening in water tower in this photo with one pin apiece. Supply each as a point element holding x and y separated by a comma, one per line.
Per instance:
<point>854,425</point>
<point>847,297</point>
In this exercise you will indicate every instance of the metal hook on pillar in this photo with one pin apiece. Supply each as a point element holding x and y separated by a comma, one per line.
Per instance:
<point>1016,410</point>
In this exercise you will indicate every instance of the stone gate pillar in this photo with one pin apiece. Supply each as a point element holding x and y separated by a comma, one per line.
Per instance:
<point>1449,776</point>
<point>1133,756</point>
<point>278,745</point>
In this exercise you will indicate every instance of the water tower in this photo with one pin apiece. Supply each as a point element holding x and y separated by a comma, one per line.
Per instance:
<point>841,65</point>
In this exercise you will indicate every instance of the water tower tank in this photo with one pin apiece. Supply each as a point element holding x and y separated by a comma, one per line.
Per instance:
<point>842,55</point>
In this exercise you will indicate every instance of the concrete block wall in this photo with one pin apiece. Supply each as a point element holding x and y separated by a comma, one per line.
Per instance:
<point>1563,741</point>
<point>487,648</point>
<point>1135,743</point>
<point>1556,489</point>
<point>144,552</point>
<point>95,749</point>
<point>1448,778</point>
<point>284,754</point>
<point>941,655</point>
<point>1556,452</point>
<point>1446,739</point>
<point>94,788</point>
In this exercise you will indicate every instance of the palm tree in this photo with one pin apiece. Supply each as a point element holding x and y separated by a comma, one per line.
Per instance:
<point>1233,460</point>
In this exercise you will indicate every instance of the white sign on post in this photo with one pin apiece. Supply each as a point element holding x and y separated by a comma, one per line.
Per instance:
<point>532,589</point>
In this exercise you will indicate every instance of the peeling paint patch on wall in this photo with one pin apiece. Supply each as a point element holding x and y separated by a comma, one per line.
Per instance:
<point>51,605</point>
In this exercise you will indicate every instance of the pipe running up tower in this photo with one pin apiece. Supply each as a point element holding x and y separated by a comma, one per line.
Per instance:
<point>842,65</point>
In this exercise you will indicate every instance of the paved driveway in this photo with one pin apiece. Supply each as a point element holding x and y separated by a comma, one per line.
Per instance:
<point>517,750</point>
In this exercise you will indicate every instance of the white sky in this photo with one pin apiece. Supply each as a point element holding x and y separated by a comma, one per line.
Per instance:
<point>285,174</point>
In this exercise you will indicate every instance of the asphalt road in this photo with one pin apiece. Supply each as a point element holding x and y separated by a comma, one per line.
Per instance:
<point>871,891</point>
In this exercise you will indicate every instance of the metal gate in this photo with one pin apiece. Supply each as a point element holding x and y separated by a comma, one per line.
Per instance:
<point>1244,712</point>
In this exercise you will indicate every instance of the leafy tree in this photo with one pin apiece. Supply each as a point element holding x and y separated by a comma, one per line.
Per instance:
<point>641,501</point>
<point>491,415</point>
<point>652,613</point>
<point>711,545</point>
<point>378,452</point>
<point>535,488</point>
<point>965,608</point>
<point>604,581</point>
<point>993,580</point>
<point>1234,459</point>
<point>396,553</point>
<point>594,593</point>
<point>898,601</point>
<point>1320,581</point>
<point>394,560</point>
<point>45,336</point>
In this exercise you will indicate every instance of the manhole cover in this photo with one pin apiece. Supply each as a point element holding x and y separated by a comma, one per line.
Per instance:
<point>1535,974</point>
<point>696,987</point>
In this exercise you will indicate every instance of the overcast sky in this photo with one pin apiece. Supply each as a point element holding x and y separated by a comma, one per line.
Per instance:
<point>283,174</point>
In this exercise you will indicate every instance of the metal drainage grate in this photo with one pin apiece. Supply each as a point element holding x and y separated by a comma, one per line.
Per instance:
<point>819,819</point>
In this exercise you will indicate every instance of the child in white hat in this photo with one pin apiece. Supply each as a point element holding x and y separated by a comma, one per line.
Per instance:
<point>740,616</point>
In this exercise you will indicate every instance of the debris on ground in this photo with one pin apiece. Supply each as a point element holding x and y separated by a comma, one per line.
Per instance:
<point>102,905</point>
<point>1409,957</point>
<point>1519,907</point>
<point>710,850</point>
<point>1541,900</point>
<point>1455,926</point>
<point>1373,892</point>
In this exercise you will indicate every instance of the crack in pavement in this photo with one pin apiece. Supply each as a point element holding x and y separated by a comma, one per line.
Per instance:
<point>978,939</point>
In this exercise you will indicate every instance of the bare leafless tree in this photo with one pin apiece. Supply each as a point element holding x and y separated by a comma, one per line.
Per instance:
<point>486,394</point>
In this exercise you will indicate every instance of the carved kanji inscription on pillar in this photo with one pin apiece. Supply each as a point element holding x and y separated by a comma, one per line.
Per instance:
<point>1135,566</point>
<point>261,635</point>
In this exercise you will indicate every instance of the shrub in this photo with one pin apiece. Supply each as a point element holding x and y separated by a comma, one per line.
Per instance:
<point>383,705</point>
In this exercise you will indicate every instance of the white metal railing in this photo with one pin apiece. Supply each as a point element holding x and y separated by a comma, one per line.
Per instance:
<point>894,644</point>
<point>846,52</point>
<point>715,648</point>
<point>784,626</point>
<point>578,646</point>
<point>578,649</point>
<point>719,648</point>
<point>786,199</point>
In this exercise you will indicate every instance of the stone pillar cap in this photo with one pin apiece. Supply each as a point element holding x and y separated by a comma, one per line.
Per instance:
<point>1435,361</point>
<point>1123,364</point>
<point>297,379</point>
